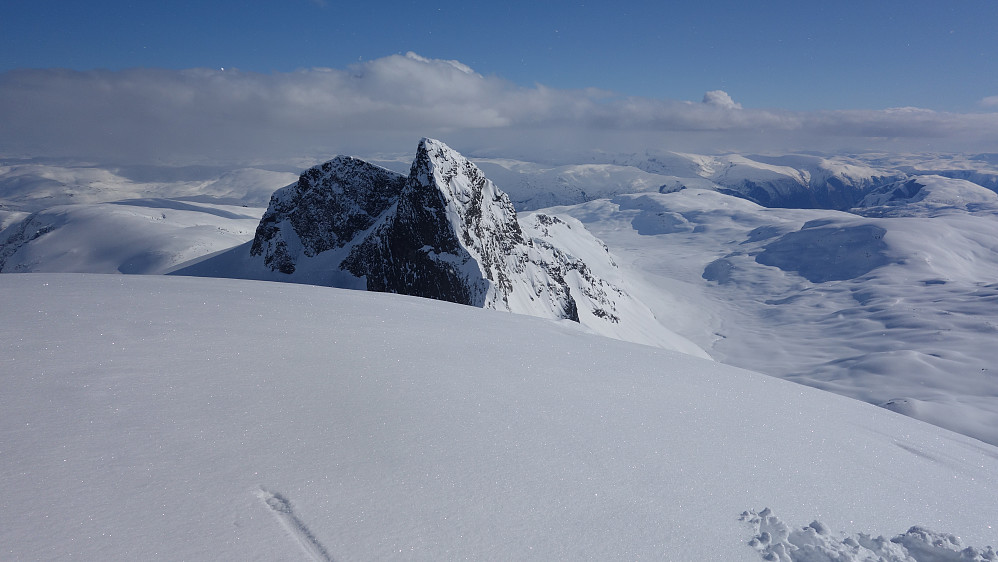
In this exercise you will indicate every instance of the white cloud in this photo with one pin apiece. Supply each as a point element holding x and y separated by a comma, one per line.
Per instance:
<point>456,64</point>
<point>720,98</point>
<point>990,101</point>
<point>387,104</point>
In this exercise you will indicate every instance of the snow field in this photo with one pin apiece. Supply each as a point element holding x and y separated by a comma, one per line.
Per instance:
<point>166,417</point>
<point>897,311</point>
<point>142,236</point>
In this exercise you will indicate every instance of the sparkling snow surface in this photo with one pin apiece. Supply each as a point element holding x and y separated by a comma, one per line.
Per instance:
<point>181,418</point>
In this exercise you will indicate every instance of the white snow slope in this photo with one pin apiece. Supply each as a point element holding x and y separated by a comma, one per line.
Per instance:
<point>150,417</point>
<point>145,236</point>
<point>899,311</point>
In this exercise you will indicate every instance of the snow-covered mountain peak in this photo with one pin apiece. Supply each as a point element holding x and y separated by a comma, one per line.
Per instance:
<point>454,235</point>
<point>475,207</point>
<point>326,208</point>
<point>444,232</point>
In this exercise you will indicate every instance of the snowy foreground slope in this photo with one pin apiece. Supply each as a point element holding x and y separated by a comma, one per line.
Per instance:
<point>183,418</point>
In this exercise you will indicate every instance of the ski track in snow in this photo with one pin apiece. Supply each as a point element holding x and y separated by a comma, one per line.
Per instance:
<point>281,508</point>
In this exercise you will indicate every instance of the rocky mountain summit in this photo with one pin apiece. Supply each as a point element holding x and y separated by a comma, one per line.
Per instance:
<point>326,208</point>
<point>445,232</point>
<point>454,236</point>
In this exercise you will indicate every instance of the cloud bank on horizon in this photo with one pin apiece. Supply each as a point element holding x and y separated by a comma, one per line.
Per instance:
<point>386,104</point>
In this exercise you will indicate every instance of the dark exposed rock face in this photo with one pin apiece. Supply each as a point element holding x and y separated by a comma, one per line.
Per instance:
<point>327,208</point>
<point>16,236</point>
<point>453,235</point>
<point>444,232</point>
<point>425,247</point>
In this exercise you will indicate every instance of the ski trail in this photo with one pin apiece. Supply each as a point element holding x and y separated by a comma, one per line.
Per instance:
<point>281,508</point>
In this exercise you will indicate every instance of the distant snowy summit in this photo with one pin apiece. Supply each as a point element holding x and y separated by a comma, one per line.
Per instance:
<point>928,196</point>
<point>444,232</point>
<point>792,181</point>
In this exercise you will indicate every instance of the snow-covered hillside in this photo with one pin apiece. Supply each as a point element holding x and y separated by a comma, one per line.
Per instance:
<point>152,417</point>
<point>899,311</point>
<point>790,181</point>
<point>981,169</point>
<point>32,186</point>
<point>534,186</point>
<point>145,236</point>
<point>85,218</point>
<point>892,302</point>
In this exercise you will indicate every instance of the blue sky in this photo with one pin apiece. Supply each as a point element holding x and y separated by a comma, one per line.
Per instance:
<point>791,55</point>
<point>793,74</point>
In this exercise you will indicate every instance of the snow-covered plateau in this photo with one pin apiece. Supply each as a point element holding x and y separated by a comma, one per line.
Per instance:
<point>170,417</point>
<point>154,417</point>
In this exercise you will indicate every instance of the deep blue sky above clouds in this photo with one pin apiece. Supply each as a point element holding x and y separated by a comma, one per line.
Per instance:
<point>782,64</point>
<point>791,55</point>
